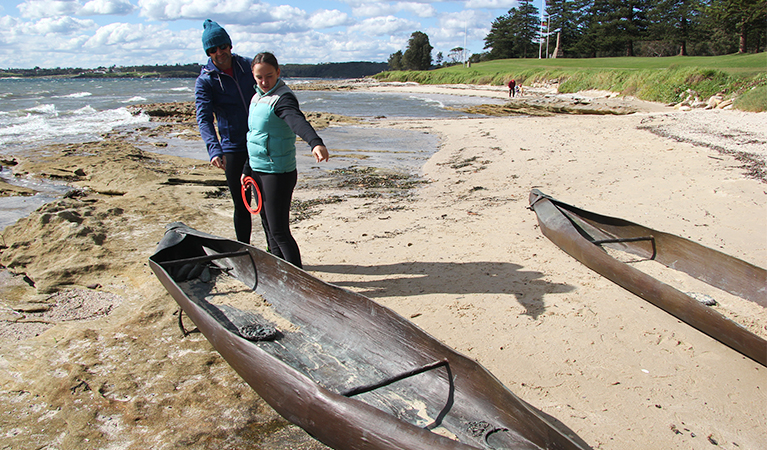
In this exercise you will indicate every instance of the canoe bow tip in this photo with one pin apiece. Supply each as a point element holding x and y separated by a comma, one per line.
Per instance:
<point>535,196</point>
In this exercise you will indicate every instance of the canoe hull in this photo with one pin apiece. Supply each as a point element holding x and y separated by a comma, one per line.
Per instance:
<point>581,233</point>
<point>459,394</point>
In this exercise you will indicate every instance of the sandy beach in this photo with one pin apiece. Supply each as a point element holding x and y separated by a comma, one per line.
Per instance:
<point>91,355</point>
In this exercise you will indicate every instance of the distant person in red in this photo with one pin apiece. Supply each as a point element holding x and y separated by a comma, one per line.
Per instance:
<point>512,88</point>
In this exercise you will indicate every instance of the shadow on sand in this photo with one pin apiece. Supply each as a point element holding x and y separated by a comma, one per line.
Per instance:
<point>423,278</point>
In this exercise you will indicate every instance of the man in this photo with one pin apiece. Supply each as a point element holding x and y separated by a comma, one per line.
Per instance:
<point>222,98</point>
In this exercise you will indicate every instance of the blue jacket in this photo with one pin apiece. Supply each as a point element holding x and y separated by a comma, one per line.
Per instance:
<point>226,98</point>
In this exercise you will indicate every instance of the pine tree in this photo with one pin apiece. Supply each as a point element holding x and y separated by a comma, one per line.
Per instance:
<point>501,36</point>
<point>744,17</point>
<point>515,34</point>
<point>678,22</point>
<point>395,60</point>
<point>528,26</point>
<point>614,26</point>
<point>417,56</point>
<point>566,18</point>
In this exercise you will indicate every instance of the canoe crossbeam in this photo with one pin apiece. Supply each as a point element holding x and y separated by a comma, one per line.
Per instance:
<point>410,373</point>
<point>634,239</point>
<point>614,241</point>
<point>395,378</point>
<point>216,256</point>
<point>202,259</point>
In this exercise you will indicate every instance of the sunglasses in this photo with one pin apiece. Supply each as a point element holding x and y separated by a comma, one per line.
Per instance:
<point>213,50</point>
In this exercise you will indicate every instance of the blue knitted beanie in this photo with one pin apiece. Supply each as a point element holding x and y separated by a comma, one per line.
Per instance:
<point>214,35</point>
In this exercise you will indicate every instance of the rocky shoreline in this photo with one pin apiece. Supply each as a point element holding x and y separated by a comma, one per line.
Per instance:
<point>80,316</point>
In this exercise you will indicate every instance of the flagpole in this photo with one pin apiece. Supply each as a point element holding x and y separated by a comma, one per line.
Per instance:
<point>548,30</point>
<point>465,31</point>
<point>540,33</point>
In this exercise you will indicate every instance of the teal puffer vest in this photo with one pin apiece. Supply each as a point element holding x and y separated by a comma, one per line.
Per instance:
<point>271,142</point>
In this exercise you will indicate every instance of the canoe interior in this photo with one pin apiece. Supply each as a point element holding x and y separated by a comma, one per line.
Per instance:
<point>342,341</point>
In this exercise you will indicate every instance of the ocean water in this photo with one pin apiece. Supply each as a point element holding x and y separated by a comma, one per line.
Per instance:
<point>36,112</point>
<point>41,111</point>
<point>388,104</point>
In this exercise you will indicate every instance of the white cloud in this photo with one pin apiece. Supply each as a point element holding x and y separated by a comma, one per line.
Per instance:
<point>73,42</point>
<point>41,34</point>
<point>107,7</point>
<point>286,12</point>
<point>490,4</point>
<point>374,9</point>
<point>259,17</point>
<point>118,34</point>
<point>450,29</point>
<point>314,47</point>
<point>328,19</point>
<point>8,23</point>
<point>453,23</point>
<point>8,27</point>
<point>37,9</point>
<point>61,25</point>
<point>230,11</point>
<point>56,33</point>
<point>49,42</point>
<point>175,9</point>
<point>419,9</point>
<point>384,26</point>
<point>383,9</point>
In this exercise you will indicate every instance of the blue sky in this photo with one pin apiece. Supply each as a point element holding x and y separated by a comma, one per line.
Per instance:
<point>93,33</point>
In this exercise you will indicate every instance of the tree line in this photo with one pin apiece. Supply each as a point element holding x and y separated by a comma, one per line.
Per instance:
<point>358,69</point>
<point>156,71</point>
<point>327,70</point>
<point>605,28</point>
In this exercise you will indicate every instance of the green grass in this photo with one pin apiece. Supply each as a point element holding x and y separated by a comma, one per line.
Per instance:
<point>652,79</point>
<point>753,100</point>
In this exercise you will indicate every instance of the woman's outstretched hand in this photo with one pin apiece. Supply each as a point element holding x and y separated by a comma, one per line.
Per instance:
<point>320,153</point>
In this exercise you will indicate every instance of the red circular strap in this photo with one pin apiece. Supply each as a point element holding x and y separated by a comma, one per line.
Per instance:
<point>248,181</point>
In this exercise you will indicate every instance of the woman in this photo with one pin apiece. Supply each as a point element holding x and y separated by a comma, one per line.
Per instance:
<point>274,120</point>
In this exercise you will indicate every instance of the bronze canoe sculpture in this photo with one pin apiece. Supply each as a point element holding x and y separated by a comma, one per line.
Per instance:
<point>585,235</point>
<point>352,373</point>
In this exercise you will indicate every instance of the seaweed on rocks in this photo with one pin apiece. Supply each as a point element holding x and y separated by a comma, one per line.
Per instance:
<point>374,178</point>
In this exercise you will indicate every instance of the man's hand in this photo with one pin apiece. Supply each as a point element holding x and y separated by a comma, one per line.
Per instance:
<point>219,162</point>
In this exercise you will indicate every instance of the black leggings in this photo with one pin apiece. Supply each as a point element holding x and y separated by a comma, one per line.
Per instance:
<point>242,221</point>
<point>277,193</point>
